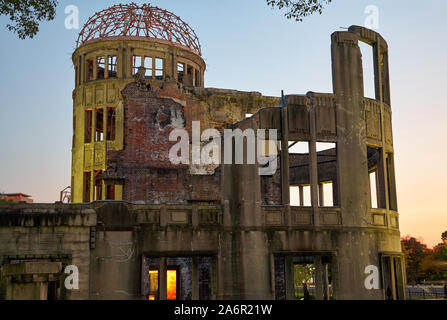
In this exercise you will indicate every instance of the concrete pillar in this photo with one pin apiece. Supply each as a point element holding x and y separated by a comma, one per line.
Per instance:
<point>301,196</point>
<point>318,278</point>
<point>195,278</point>
<point>247,255</point>
<point>290,278</point>
<point>335,192</point>
<point>163,279</point>
<point>321,194</point>
<point>314,167</point>
<point>347,75</point>
<point>285,167</point>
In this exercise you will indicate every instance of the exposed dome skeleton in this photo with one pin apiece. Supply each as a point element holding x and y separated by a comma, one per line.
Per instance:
<point>130,20</point>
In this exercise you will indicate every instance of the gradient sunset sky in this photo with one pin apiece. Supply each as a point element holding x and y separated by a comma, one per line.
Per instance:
<point>247,46</point>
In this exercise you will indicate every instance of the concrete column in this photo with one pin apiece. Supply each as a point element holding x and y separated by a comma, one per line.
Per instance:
<point>347,74</point>
<point>249,260</point>
<point>377,71</point>
<point>326,292</point>
<point>285,168</point>
<point>290,278</point>
<point>163,216</point>
<point>195,216</point>
<point>321,194</point>
<point>314,167</point>
<point>335,192</point>
<point>162,286</point>
<point>195,278</point>
<point>301,196</point>
<point>319,275</point>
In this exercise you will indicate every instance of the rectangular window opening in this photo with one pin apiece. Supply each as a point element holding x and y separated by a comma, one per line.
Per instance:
<point>190,75</point>
<point>154,279</point>
<point>100,67</point>
<point>137,62</point>
<point>98,185</point>
<point>298,147</point>
<point>172,279</point>
<point>112,67</point>
<point>99,127</point>
<point>110,192</point>
<point>197,78</point>
<point>88,126</point>
<point>300,196</point>
<point>327,174</point>
<point>148,66</point>
<point>368,70</point>
<point>326,194</point>
<point>89,71</point>
<point>376,179</point>
<point>180,72</point>
<point>111,123</point>
<point>159,68</point>
<point>87,186</point>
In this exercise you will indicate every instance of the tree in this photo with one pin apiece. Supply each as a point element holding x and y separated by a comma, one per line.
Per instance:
<point>298,9</point>
<point>25,15</point>
<point>415,251</point>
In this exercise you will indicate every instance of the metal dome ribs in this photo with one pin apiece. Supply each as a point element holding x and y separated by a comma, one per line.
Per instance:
<point>131,20</point>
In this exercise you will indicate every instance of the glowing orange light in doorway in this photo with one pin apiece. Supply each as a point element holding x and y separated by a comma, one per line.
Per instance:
<point>172,285</point>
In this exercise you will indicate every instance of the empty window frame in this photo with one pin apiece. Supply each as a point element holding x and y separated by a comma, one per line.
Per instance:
<point>368,70</point>
<point>110,192</point>
<point>326,194</point>
<point>97,194</point>
<point>180,72</point>
<point>376,177</point>
<point>148,66</point>
<point>154,279</point>
<point>159,68</point>
<point>300,189</point>
<point>87,186</point>
<point>112,67</point>
<point>172,283</point>
<point>88,126</point>
<point>99,125</point>
<point>189,75</point>
<point>89,69</point>
<point>111,123</point>
<point>137,61</point>
<point>327,174</point>
<point>100,67</point>
<point>300,196</point>
<point>197,82</point>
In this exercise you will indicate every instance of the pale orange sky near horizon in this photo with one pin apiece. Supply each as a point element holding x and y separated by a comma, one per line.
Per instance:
<point>36,123</point>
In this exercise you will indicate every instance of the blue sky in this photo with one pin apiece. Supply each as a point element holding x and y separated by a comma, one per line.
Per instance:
<point>247,46</point>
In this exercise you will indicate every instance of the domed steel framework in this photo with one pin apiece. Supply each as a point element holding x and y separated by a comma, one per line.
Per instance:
<point>132,21</point>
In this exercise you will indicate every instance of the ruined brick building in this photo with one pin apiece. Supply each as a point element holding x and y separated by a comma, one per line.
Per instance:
<point>141,227</point>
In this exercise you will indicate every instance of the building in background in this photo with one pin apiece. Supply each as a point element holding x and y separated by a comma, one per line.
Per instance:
<point>16,197</point>
<point>140,227</point>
